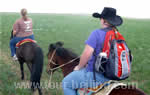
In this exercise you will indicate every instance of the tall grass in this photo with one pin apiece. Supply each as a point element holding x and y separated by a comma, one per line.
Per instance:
<point>73,30</point>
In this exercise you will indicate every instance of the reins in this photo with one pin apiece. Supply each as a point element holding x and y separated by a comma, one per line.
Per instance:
<point>51,61</point>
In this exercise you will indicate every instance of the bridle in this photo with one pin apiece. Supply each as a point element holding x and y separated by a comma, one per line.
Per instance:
<point>51,61</point>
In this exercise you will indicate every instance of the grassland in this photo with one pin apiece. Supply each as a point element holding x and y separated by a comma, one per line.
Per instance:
<point>73,30</point>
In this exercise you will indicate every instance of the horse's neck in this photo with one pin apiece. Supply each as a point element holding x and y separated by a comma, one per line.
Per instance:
<point>68,68</point>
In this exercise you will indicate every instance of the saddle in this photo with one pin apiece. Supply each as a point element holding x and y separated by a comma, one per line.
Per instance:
<point>103,89</point>
<point>24,41</point>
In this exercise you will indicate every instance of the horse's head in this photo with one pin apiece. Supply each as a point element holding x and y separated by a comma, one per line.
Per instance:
<point>60,57</point>
<point>52,56</point>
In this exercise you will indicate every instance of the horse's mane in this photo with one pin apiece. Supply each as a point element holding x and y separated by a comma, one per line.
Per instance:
<point>66,53</point>
<point>62,52</point>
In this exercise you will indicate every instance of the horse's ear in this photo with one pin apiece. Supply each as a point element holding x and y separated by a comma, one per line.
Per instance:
<point>51,46</point>
<point>61,52</point>
<point>60,43</point>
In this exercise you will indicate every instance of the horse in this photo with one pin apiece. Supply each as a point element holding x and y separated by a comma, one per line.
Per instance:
<point>60,57</point>
<point>31,54</point>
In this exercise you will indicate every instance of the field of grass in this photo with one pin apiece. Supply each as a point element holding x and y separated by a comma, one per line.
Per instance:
<point>73,30</point>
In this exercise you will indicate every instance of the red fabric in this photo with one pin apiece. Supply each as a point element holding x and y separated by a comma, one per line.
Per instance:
<point>110,35</point>
<point>25,40</point>
<point>119,62</point>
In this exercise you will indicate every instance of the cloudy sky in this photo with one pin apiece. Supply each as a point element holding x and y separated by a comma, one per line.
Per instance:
<point>125,8</point>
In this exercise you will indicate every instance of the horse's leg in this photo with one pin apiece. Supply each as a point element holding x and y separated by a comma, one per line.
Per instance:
<point>29,66</point>
<point>40,91</point>
<point>22,69</point>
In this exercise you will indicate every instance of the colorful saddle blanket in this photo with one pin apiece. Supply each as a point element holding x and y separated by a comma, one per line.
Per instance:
<point>103,89</point>
<point>24,41</point>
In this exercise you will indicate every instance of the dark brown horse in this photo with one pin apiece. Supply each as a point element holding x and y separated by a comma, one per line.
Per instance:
<point>59,57</point>
<point>31,54</point>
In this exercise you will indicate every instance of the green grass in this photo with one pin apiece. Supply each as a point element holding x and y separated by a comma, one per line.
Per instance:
<point>73,30</point>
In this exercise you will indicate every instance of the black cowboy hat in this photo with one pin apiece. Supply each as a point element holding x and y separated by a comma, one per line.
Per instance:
<point>109,14</point>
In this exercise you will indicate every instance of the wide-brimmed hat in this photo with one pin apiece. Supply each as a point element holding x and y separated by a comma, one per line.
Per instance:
<point>109,14</point>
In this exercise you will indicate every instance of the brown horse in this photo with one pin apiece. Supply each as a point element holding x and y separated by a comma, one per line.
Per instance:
<point>60,57</point>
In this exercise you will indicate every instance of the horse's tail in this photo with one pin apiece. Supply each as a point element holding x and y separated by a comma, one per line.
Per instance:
<point>37,67</point>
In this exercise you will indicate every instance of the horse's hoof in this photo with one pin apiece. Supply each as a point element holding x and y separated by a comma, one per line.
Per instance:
<point>40,92</point>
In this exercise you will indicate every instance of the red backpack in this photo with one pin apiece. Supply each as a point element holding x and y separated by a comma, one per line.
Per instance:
<point>117,65</point>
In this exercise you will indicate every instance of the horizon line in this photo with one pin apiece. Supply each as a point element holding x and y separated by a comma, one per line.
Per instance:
<point>126,17</point>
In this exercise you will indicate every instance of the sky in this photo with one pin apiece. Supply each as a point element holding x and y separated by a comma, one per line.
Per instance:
<point>125,8</point>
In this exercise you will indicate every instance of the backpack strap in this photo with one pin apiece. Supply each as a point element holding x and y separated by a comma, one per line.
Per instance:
<point>130,53</point>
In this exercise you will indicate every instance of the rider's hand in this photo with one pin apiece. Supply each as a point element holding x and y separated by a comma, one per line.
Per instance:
<point>14,32</point>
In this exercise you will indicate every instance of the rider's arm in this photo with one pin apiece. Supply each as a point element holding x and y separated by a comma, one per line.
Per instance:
<point>87,53</point>
<point>15,28</point>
